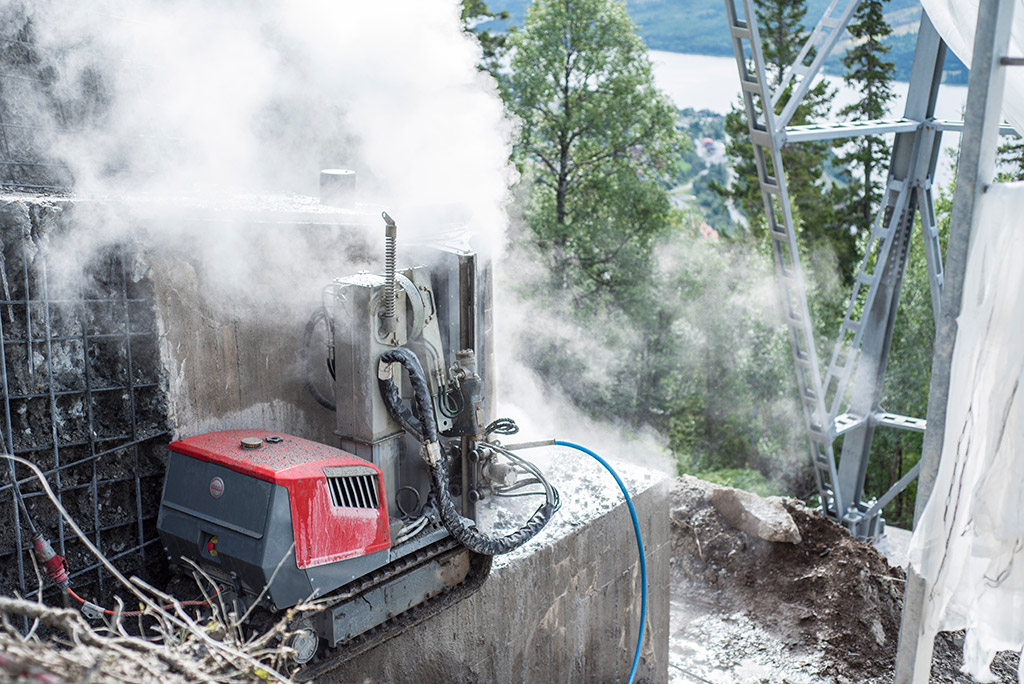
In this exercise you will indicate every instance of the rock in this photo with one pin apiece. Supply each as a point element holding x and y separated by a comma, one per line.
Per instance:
<point>763,518</point>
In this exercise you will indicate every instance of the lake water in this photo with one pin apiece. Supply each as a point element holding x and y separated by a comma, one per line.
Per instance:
<point>704,82</point>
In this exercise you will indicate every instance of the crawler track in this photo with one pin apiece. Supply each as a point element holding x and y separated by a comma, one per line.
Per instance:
<point>331,658</point>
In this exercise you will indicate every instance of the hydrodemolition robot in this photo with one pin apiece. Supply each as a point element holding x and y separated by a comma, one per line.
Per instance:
<point>382,530</point>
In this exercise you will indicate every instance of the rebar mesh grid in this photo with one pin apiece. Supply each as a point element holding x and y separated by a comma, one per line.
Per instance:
<point>31,112</point>
<point>83,400</point>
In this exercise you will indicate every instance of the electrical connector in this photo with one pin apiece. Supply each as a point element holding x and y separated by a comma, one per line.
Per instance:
<point>91,611</point>
<point>55,566</point>
<point>431,452</point>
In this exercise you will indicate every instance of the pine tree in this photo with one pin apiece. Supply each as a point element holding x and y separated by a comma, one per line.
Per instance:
<point>870,74</point>
<point>1011,160</point>
<point>781,25</point>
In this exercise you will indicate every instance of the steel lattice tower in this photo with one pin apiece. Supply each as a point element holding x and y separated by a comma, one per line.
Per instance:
<point>843,397</point>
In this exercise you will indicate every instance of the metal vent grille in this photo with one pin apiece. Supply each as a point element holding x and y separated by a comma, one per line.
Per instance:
<point>354,487</point>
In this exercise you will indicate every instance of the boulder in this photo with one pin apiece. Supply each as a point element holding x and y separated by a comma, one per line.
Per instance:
<point>763,518</point>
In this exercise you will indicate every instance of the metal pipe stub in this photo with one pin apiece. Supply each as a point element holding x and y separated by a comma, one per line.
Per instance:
<point>337,187</point>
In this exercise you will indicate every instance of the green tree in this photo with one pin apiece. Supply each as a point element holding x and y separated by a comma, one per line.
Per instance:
<point>781,25</point>
<point>1011,160</point>
<point>492,44</point>
<point>639,319</point>
<point>598,146</point>
<point>733,402</point>
<point>871,75</point>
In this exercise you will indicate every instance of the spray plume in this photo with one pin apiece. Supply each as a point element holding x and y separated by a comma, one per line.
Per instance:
<point>183,104</point>
<point>190,118</point>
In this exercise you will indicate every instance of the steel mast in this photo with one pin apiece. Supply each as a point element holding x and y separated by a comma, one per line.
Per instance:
<point>843,398</point>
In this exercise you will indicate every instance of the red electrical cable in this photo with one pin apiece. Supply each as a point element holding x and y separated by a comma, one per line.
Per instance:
<point>133,613</point>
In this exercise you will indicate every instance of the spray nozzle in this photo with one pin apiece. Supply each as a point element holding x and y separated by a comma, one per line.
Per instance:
<point>389,223</point>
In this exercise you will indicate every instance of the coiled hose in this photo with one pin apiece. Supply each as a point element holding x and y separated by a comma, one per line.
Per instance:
<point>423,426</point>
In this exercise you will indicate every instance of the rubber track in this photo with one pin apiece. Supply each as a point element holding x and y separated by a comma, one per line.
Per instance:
<point>479,569</point>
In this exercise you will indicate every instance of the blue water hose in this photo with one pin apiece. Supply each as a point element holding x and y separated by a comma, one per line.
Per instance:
<point>639,546</point>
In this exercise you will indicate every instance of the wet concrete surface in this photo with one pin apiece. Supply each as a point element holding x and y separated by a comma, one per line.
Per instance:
<point>562,608</point>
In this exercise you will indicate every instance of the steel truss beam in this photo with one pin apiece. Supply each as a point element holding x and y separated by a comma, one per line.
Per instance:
<point>845,399</point>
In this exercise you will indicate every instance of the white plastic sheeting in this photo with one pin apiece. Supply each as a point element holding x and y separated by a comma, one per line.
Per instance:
<point>955,21</point>
<point>969,543</point>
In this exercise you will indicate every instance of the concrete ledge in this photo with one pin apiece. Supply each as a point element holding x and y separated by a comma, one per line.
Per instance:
<point>565,608</point>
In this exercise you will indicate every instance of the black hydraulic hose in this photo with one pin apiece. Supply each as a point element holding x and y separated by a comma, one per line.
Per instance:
<point>502,426</point>
<point>423,426</point>
<point>459,527</point>
<point>474,541</point>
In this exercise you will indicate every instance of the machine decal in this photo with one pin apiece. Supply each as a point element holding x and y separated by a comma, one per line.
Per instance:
<point>216,487</point>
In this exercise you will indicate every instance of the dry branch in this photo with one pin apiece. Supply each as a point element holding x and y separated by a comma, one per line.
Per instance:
<point>185,649</point>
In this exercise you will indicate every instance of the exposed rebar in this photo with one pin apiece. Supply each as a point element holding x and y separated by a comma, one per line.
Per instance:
<point>83,328</point>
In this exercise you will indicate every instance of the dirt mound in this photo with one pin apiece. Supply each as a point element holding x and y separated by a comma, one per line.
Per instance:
<point>829,594</point>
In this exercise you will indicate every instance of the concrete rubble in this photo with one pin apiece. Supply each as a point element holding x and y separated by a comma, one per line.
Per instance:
<point>764,518</point>
<point>825,609</point>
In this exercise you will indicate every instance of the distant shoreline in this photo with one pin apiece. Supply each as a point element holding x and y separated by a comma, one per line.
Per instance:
<point>730,56</point>
<point>712,83</point>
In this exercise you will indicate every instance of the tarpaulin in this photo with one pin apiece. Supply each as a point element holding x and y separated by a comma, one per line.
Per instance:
<point>969,543</point>
<point>955,20</point>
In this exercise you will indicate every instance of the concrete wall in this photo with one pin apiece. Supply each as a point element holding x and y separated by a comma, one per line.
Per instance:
<point>231,310</point>
<point>567,611</point>
<point>223,329</point>
<point>227,368</point>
